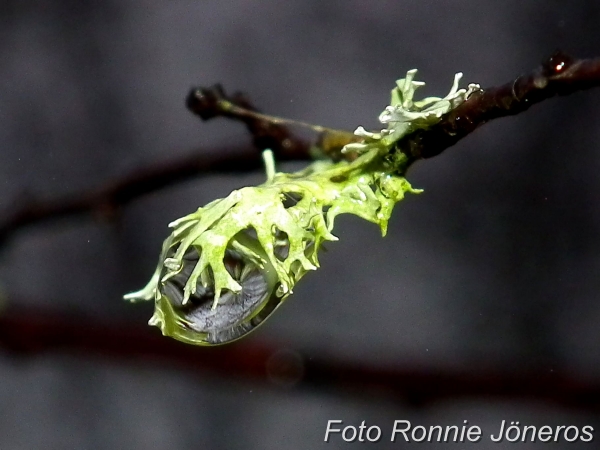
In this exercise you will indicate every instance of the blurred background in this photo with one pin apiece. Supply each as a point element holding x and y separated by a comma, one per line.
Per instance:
<point>481,304</point>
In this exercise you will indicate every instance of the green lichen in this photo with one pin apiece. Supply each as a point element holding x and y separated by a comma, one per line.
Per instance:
<point>279,226</point>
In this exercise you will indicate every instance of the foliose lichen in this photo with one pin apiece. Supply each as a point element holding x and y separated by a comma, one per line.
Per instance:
<point>227,266</point>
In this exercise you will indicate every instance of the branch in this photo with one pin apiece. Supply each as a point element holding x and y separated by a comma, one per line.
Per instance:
<point>268,132</point>
<point>558,75</point>
<point>34,332</point>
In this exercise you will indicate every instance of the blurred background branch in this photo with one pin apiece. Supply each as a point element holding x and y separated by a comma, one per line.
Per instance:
<point>28,332</point>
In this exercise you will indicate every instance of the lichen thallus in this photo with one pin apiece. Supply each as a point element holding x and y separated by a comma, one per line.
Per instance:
<point>228,266</point>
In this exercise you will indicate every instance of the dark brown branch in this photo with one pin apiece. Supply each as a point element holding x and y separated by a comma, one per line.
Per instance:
<point>559,75</point>
<point>268,132</point>
<point>29,332</point>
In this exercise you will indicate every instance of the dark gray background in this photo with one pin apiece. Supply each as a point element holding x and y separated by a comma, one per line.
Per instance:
<point>494,267</point>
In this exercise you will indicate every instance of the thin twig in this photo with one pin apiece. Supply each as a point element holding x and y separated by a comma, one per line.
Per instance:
<point>268,132</point>
<point>208,103</point>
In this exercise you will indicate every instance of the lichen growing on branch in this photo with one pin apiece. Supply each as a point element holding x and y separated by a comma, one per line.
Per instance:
<point>226,267</point>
